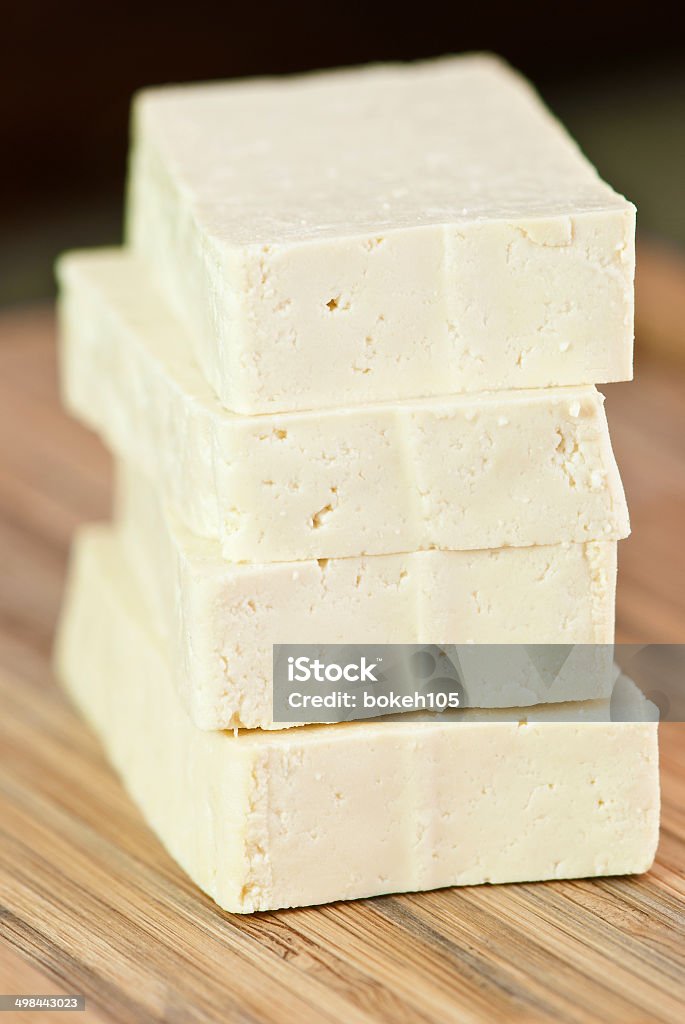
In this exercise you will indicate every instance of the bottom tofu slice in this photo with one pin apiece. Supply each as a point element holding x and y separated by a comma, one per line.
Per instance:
<point>221,618</point>
<point>264,820</point>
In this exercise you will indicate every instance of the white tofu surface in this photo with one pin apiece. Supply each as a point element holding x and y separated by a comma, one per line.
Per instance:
<point>497,469</point>
<point>219,619</point>
<point>263,820</point>
<point>380,233</point>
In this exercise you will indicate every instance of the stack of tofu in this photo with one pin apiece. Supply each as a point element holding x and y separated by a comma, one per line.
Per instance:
<point>346,364</point>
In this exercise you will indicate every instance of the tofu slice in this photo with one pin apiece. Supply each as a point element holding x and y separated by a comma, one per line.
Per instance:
<point>499,469</point>
<point>380,233</point>
<point>263,820</point>
<point>221,618</point>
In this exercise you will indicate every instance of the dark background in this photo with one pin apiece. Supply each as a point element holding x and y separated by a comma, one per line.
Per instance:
<point>614,72</point>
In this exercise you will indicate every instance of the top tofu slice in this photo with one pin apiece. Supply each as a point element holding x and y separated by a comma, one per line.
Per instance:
<point>380,233</point>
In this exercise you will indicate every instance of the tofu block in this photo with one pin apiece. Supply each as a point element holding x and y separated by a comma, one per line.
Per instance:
<point>499,469</point>
<point>219,619</point>
<point>262,820</point>
<point>380,233</point>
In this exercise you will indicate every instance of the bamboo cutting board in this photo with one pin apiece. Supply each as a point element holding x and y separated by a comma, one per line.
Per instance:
<point>91,904</point>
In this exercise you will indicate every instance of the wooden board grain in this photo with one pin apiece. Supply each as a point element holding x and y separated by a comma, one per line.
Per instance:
<point>90,903</point>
